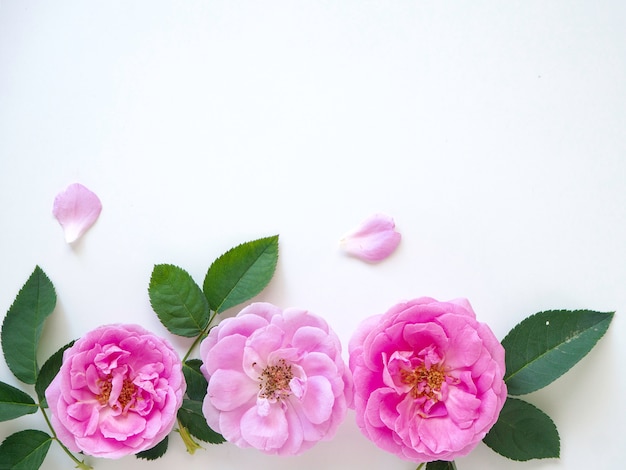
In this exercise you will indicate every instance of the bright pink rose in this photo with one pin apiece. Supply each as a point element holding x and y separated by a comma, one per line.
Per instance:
<point>427,378</point>
<point>276,379</point>
<point>117,393</point>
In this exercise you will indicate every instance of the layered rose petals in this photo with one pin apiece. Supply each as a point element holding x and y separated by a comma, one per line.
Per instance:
<point>117,392</point>
<point>77,208</point>
<point>374,240</point>
<point>276,379</point>
<point>428,379</point>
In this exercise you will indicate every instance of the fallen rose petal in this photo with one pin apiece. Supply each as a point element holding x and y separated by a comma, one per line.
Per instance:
<point>76,209</point>
<point>374,240</point>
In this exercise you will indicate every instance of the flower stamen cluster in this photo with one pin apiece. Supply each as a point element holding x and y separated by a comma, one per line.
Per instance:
<point>424,382</point>
<point>275,381</point>
<point>127,394</point>
<point>105,390</point>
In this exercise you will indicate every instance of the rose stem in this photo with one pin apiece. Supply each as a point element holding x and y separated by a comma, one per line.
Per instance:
<point>79,464</point>
<point>201,336</point>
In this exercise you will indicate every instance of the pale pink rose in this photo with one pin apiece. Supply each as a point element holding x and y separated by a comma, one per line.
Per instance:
<point>373,240</point>
<point>276,379</point>
<point>428,379</point>
<point>117,393</point>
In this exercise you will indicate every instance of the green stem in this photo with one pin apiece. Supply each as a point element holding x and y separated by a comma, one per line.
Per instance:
<point>79,464</point>
<point>420,466</point>
<point>186,436</point>
<point>200,337</point>
<point>191,445</point>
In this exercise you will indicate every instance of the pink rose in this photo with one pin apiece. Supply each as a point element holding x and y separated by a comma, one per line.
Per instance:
<point>276,379</point>
<point>428,379</point>
<point>117,393</point>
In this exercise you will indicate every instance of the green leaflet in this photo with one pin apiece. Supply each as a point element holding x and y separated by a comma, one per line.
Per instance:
<point>24,450</point>
<point>241,273</point>
<point>23,325</point>
<point>190,416</point>
<point>440,465</point>
<point>523,432</point>
<point>155,452</point>
<point>178,301</point>
<point>48,372</point>
<point>14,403</point>
<point>544,346</point>
<point>196,383</point>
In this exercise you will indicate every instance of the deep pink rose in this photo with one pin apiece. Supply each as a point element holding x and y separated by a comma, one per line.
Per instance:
<point>428,379</point>
<point>277,381</point>
<point>117,393</point>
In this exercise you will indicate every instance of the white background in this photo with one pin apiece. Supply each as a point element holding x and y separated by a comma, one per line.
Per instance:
<point>493,132</point>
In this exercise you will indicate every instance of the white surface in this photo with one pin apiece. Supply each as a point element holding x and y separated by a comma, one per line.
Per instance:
<point>492,132</point>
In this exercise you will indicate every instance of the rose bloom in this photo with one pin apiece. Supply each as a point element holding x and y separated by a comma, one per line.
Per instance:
<point>428,379</point>
<point>117,393</point>
<point>276,380</point>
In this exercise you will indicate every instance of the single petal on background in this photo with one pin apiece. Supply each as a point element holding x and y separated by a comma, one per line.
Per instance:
<point>76,209</point>
<point>374,240</point>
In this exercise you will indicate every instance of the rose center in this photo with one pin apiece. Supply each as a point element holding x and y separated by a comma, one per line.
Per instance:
<point>126,395</point>
<point>275,381</point>
<point>424,382</point>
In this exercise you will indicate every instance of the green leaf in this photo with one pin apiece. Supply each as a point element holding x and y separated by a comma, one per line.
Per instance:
<point>546,345</point>
<point>178,301</point>
<point>196,383</point>
<point>241,273</point>
<point>48,372</point>
<point>191,417</point>
<point>440,465</point>
<point>23,325</point>
<point>155,452</point>
<point>24,450</point>
<point>14,403</point>
<point>523,432</point>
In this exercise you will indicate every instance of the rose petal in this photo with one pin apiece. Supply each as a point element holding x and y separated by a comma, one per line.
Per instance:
<point>121,427</point>
<point>267,431</point>
<point>318,400</point>
<point>76,209</point>
<point>374,240</point>
<point>229,389</point>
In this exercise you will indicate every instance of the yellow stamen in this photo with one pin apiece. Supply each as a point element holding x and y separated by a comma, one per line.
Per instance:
<point>126,394</point>
<point>424,382</point>
<point>275,381</point>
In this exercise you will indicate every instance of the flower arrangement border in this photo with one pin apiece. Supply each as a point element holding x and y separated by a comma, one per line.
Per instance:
<point>539,349</point>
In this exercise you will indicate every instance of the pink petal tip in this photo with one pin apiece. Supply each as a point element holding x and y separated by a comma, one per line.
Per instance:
<point>77,208</point>
<point>374,240</point>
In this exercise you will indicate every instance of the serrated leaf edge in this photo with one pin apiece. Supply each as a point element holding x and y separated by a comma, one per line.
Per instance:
<point>46,443</point>
<point>273,240</point>
<point>30,405</point>
<point>200,327</point>
<point>40,273</point>
<point>607,321</point>
<point>558,437</point>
